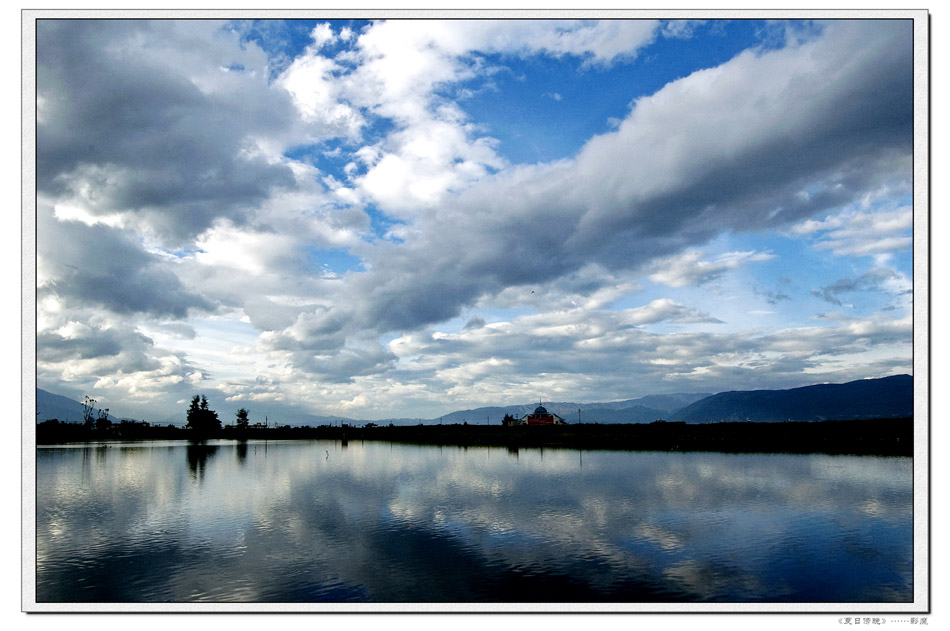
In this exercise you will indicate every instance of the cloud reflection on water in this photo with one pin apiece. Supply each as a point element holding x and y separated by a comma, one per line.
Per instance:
<point>374,521</point>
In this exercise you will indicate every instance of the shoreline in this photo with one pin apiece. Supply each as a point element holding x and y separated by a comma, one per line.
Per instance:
<point>880,437</point>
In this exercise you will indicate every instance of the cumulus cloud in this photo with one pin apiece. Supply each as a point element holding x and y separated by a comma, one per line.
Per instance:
<point>332,198</point>
<point>603,42</point>
<point>667,179</point>
<point>82,351</point>
<point>139,121</point>
<point>414,169</point>
<point>668,171</point>
<point>565,354</point>
<point>355,359</point>
<point>102,266</point>
<point>317,95</point>
<point>663,181</point>
<point>400,67</point>
<point>79,340</point>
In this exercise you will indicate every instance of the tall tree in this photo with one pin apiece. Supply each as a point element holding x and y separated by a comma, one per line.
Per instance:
<point>201,418</point>
<point>88,409</point>
<point>242,420</point>
<point>194,412</point>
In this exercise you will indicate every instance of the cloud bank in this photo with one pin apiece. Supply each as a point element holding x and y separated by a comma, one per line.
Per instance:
<point>316,215</point>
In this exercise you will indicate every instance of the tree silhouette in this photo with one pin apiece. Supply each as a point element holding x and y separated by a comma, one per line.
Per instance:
<point>194,410</point>
<point>102,421</point>
<point>242,420</point>
<point>202,419</point>
<point>88,409</point>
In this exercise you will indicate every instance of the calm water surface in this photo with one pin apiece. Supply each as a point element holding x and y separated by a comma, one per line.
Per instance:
<point>319,521</point>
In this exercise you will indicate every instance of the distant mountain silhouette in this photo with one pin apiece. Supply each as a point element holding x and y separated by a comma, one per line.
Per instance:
<point>865,399</point>
<point>887,397</point>
<point>50,406</point>
<point>643,410</point>
<point>671,402</point>
<point>66,410</point>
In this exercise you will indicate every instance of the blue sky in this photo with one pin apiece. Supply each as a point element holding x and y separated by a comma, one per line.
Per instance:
<point>404,218</point>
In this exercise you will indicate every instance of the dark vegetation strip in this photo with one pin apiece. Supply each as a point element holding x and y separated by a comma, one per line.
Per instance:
<point>886,437</point>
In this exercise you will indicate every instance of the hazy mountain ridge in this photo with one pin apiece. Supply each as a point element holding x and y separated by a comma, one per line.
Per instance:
<point>865,399</point>
<point>55,406</point>
<point>886,397</point>
<point>66,410</point>
<point>642,410</point>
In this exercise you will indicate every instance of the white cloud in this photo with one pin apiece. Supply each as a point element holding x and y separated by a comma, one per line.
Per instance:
<point>666,179</point>
<point>688,269</point>
<point>856,233</point>
<point>603,41</point>
<point>322,35</point>
<point>192,207</point>
<point>423,163</point>
<point>318,97</point>
<point>681,28</point>
<point>227,246</point>
<point>179,146</point>
<point>664,309</point>
<point>433,150</point>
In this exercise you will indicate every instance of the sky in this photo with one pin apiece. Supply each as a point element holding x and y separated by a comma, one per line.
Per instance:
<point>410,217</point>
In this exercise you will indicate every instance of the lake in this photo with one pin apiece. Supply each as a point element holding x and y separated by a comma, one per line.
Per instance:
<point>326,522</point>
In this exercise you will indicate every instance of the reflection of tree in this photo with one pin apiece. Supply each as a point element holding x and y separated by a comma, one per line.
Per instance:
<point>100,453</point>
<point>198,455</point>
<point>87,453</point>
<point>628,526</point>
<point>241,449</point>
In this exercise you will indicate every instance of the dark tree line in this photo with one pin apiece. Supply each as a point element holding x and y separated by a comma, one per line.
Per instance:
<point>202,423</point>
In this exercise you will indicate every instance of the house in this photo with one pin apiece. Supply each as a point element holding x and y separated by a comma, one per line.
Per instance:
<point>540,416</point>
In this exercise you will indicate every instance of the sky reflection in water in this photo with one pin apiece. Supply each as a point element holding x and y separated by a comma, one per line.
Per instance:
<point>320,521</point>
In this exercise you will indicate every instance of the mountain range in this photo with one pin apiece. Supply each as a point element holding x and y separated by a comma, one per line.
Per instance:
<point>49,406</point>
<point>643,410</point>
<point>886,397</point>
